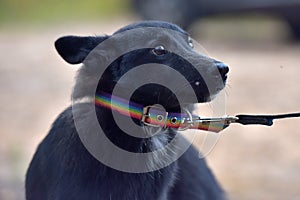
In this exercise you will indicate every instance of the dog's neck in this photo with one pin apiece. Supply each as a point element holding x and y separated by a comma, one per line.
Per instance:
<point>136,142</point>
<point>131,141</point>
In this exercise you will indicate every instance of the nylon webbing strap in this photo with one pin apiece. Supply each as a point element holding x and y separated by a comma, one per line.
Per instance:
<point>154,116</point>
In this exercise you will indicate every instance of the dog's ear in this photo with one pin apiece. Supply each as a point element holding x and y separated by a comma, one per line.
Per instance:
<point>74,49</point>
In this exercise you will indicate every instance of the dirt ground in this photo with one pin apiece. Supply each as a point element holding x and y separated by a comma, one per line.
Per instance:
<point>251,162</point>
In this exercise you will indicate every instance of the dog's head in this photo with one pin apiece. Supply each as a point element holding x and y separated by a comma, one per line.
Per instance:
<point>171,70</point>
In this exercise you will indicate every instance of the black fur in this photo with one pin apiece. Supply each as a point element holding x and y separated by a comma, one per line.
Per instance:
<point>63,169</point>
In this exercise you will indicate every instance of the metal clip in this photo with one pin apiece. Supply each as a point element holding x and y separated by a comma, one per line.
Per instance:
<point>186,122</point>
<point>192,120</point>
<point>226,120</point>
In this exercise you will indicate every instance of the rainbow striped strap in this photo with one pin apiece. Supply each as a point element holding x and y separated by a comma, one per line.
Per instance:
<point>155,116</point>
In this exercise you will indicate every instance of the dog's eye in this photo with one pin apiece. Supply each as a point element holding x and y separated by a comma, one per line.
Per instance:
<point>159,50</point>
<point>190,42</point>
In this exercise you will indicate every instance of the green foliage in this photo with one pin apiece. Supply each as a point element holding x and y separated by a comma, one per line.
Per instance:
<point>37,11</point>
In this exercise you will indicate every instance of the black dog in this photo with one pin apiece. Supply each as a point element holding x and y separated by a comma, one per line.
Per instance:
<point>62,168</point>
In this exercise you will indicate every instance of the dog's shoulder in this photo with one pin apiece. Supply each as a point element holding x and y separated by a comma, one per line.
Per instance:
<point>194,175</point>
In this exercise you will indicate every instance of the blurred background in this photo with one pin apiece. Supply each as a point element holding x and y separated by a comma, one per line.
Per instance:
<point>258,39</point>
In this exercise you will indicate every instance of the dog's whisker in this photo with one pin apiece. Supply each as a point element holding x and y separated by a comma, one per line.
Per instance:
<point>228,85</point>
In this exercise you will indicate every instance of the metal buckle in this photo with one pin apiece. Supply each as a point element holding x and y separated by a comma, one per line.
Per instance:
<point>147,115</point>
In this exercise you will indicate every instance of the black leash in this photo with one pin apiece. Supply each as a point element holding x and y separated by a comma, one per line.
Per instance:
<point>157,117</point>
<point>262,119</point>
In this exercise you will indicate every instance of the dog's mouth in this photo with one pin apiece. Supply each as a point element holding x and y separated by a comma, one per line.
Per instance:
<point>152,94</point>
<point>200,93</point>
<point>188,99</point>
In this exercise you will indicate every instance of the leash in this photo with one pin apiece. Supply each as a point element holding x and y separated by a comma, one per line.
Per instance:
<point>263,119</point>
<point>155,116</point>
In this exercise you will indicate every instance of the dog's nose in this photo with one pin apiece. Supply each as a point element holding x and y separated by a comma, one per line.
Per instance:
<point>223,68</point>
